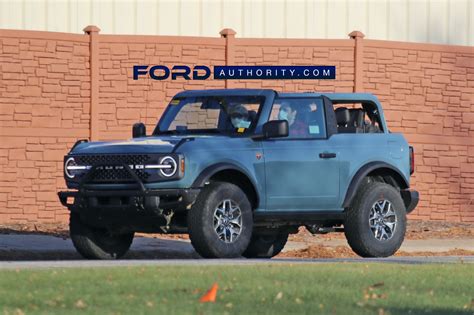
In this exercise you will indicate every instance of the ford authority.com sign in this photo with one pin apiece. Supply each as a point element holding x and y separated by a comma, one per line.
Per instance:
<point>161,72</point>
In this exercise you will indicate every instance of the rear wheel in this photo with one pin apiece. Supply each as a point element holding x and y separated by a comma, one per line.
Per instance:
<point>375,224</point>
<point>266,245</point>
<point>220,221</point>
<point>94,243</point>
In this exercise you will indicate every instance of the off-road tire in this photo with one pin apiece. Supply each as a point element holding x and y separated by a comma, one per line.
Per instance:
<point>203,236</point>
<point>266,245</point>
<point>93,243</point>
<point>356,225</point>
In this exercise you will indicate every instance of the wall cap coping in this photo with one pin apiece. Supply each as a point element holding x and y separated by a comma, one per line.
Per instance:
<point>356,34</point>
<point>227,32</point>
<point>91,29</point>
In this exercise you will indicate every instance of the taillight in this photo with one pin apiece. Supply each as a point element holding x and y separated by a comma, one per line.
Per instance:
<point>412,160</point>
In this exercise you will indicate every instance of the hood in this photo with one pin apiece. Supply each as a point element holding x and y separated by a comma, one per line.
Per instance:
<point>161,144</point>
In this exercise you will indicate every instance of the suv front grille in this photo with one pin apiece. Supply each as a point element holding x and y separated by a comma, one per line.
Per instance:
<point>109,172</point>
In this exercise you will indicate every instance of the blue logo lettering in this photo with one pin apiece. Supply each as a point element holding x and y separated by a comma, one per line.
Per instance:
<point>200,72</point>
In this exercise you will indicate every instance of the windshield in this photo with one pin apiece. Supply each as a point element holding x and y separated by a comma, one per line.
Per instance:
<point>211,114</point>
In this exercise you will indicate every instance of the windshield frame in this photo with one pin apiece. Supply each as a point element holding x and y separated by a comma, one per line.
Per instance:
<point>212,131</point>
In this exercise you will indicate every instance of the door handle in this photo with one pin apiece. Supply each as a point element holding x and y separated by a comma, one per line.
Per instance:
<point>326,155</point>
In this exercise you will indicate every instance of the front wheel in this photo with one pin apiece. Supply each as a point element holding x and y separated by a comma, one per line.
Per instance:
<point>220,221</point>
<point>375,224</point>
<point>93,243</point>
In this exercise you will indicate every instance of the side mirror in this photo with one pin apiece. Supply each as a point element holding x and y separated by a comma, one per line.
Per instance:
<point>275,129</point>
<point>139,130</point>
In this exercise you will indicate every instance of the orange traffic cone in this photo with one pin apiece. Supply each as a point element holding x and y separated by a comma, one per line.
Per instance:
<point>210,295</point>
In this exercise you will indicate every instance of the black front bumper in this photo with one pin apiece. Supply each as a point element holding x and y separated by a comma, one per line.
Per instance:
<point>132,207</point>
<point>132,200</point>
<point>131,210</point>
<point>410,198</point>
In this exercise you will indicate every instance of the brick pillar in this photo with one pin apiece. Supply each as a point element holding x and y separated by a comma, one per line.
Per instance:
<point>229,35</point>
<point>93,32</point>
<point>358,60</point>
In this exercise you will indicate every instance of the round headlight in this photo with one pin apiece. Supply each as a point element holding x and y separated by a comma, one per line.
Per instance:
<point>170,166</point>
<point>69,167</point>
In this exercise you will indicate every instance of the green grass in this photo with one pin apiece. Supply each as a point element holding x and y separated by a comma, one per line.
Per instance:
<point>343,288</point>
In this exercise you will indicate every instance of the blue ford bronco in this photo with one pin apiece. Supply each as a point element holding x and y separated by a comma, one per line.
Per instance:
<point>241,169</point>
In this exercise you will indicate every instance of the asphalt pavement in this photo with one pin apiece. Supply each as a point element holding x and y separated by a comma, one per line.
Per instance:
<point>45,243</point>
<point>45,251</point>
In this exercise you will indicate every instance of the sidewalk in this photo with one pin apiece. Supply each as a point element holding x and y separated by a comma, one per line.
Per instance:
<point>426,245</point>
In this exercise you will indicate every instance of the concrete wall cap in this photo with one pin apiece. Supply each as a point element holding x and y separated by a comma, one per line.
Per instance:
<point>356,34</point>
<point>91,29</point>
<point>227,32</point>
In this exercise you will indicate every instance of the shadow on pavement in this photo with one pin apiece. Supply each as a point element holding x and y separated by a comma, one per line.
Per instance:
<point>17,245</point>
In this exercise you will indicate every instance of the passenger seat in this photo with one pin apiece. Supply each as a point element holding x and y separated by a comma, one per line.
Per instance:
<point>357,119</point>
<point>343,118</point>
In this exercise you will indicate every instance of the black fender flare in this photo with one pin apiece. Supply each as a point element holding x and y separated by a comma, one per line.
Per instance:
<point>362,173</point>
<point>209,171</point>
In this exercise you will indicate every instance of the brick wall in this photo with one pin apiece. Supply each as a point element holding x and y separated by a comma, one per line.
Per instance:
<point>44,108</point>
<point>339,53</point>
<point>428,94</point>
<point>124,101</point>
<point>56,88</point>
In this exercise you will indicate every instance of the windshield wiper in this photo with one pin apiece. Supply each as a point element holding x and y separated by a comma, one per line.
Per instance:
<point>166,132</point>
<point>190,132</point>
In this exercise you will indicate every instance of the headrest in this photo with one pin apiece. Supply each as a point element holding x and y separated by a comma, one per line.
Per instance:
<point>237,110</point>
<point>343,116</point>
<point>357,116</point>
<point>252,115</point>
